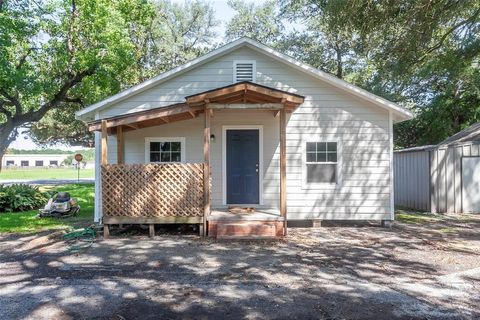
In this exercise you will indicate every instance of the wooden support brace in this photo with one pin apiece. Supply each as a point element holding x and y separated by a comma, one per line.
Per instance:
<point>120,144</point>
<point>104,160</point>
<point>206,167</point>
<point>151,230</point>
<point>283,168</point>
<point>106,231</point>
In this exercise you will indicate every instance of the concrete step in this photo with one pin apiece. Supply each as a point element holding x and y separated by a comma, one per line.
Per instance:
<point>245,230</point>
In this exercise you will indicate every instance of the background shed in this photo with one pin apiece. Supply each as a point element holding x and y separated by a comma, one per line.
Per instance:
<point>440,178</point>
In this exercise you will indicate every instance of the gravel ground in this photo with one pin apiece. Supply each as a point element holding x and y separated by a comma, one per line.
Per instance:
<point>412,271</point>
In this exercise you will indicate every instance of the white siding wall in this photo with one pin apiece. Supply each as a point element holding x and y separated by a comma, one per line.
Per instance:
<point>327,114</point>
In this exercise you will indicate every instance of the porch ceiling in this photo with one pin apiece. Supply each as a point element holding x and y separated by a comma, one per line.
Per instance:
<point>242,95</point>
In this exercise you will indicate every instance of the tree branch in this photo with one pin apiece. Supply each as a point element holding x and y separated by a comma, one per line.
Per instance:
<point>444,37</point>
<point>13,100</point>
<point>73,100</point>
<point>57,99</point>
<point>23,59</point>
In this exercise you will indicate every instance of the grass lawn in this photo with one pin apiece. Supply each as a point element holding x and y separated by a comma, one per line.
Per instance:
<point>44,173</point>
<point>26,222</point>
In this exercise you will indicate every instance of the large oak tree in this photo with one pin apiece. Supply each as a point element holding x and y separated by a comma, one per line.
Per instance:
<point>57,56</point>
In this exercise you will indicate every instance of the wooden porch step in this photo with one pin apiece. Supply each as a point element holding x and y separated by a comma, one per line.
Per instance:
<point>245,231</point>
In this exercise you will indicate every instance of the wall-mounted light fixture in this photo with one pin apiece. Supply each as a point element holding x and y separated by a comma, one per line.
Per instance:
<point>212,138</point>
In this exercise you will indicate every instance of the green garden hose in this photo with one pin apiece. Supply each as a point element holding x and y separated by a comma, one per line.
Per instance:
<point>86,236</point>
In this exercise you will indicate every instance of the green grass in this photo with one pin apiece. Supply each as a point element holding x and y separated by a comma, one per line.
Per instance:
<point>413,217</point>
<point>26,222</point>
<point>44,173</point>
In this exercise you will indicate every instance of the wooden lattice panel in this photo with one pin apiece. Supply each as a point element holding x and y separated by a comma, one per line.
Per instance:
<point>152,190</point>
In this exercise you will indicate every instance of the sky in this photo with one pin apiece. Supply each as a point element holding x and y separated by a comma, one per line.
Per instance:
<point>224,14</point>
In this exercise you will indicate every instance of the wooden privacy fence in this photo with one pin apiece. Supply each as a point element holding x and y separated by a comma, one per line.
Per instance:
<point>152,192</point>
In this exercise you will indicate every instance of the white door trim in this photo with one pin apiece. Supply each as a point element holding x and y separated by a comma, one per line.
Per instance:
<point>260,159</point>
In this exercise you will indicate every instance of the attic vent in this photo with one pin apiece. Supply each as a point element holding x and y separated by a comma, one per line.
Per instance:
<point>244,71</point>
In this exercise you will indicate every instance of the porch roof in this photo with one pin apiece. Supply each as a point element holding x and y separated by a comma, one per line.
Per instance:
<point>241,95</point>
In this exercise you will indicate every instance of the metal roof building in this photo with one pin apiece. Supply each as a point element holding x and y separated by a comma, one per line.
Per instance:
<point>440,178</point>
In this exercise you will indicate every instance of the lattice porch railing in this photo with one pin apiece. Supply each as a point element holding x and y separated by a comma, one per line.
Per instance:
<point>152,190</point>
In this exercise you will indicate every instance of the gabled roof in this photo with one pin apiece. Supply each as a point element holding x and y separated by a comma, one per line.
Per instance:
<point>469,134</point>
<point>246,92</point>
<point>399,112</point>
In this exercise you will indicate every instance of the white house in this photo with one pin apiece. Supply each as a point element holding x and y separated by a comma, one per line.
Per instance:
<point>275,135</point>
<point>33,160</point>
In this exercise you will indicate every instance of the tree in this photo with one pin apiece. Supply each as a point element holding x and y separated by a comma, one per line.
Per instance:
<point>423,54</point>
<point>162,35</point>
<point>57,55</point>
<point>259,22</point>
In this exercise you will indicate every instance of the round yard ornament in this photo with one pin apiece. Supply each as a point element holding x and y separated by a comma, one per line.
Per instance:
<point>78,157</point>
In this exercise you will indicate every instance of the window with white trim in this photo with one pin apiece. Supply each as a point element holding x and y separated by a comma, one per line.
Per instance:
<point>321,165</point>
<point>164,150</point>
<point>244,70</point>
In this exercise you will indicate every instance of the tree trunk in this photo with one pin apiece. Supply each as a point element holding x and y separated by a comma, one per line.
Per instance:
<point>8,133</point>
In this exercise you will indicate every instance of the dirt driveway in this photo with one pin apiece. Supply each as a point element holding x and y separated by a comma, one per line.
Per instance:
<point>429,270</point>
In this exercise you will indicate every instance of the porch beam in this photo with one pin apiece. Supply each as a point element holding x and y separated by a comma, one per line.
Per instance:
<point>206,167</point>
<point>133,119</point>
<point>120,142</point>
<point>103,158</point>
<point>283,169</point>
<point>262,106</point>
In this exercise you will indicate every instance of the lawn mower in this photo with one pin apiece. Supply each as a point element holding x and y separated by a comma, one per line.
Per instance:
<point>61,205</point>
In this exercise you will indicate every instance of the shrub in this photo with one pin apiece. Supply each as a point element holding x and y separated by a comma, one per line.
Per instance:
<point>21,197</point>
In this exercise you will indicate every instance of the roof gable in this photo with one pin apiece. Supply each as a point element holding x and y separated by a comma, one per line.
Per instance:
<point>399,113</point>
<point>468,134</point>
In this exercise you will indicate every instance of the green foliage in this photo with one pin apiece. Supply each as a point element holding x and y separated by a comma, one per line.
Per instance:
<point>260,22</point>
<point>422,54</point>
<point>21,197</point>
<point>27,221</point>
<point>159,35</point>
<point>88,154</point>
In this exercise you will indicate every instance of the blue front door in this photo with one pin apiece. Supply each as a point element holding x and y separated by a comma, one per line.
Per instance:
<point>242,166</point>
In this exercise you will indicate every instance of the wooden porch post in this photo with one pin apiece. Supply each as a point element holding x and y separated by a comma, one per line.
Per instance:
<point>104,143</point>
<point>206,169</point>
<point>104,161</point>
<point>120,145</point>
<point>283,168</point>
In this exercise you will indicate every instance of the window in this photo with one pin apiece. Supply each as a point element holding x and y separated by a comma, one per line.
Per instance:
<point>244,70</point>
<point>164,150</point>
<point>24,163</point>
<point>10,162</point>
<point>53,162</point>
<point>321,165</point>
<point>38,163</point>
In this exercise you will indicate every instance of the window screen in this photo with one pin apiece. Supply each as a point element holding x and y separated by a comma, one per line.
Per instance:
<point>38,163</point>
<point>10,162</point>
<point>53,162</point>
<point>321,162</point>
<point>24,163</point>
<point>167,151</point>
